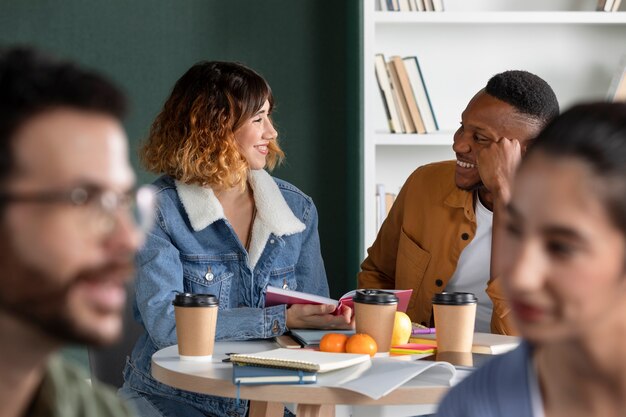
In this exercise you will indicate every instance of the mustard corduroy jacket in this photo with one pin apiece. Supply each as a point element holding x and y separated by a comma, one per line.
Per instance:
<point>419,244</point>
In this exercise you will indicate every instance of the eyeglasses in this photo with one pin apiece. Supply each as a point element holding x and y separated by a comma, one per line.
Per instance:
<point>99,206</point>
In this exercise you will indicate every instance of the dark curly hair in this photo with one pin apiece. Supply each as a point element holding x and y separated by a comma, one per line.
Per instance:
<point>32,83</point>
<point>595,134</point>
<point>527,92</point>
<point>193,137</point>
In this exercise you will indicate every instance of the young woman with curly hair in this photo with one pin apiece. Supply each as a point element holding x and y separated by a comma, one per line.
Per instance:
<point>224,227</point>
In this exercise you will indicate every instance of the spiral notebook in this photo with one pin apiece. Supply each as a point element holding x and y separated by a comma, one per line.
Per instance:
<point>303,359</point>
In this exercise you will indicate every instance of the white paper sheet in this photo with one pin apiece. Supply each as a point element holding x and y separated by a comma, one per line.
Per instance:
<point>382,375</point>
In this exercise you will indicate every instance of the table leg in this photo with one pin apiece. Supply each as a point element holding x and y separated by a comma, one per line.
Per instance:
<point>315,410</point>
<point>266,409</point>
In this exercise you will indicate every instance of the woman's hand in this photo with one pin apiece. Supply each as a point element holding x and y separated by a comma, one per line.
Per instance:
<point>310,316</point>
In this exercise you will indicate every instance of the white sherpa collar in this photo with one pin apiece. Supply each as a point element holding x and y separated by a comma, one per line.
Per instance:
<point>273,214</point>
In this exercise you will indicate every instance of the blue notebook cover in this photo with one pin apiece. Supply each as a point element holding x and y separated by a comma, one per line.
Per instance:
<point>255,375</point>
<point>312,337</point>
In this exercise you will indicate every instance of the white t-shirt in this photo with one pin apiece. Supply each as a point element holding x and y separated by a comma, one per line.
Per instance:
<point>474,266</point>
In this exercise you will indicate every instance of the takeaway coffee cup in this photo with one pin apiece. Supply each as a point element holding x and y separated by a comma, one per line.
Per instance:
<point>196,317</point>
<point>374,314</point>
<point>454,319</point>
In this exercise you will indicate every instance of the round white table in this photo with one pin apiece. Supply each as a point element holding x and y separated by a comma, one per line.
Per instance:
<point>215,378</point>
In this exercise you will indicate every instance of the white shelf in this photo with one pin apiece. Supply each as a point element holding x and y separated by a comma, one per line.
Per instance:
<point>577,52</point>
<point>442,138</point>
<point>527,18</point>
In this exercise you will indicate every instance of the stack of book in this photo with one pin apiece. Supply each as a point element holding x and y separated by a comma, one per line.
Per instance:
<point>410,5</point>
<point>289,366</point>
<point>373,377</point>
<point>404,95</point>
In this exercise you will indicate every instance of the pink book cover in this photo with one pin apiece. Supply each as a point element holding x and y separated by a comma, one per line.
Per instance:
<point>276,296</point>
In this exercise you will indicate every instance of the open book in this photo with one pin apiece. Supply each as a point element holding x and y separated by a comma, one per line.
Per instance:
<point>303,359</point>
<point>275,296</point>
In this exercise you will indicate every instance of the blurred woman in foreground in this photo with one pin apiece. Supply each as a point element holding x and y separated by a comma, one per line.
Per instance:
<point>565,277</point>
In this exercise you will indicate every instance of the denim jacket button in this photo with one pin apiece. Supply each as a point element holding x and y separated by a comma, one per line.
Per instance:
<point>275,327</point>
<point>209,276</point>
<point>272,241</point>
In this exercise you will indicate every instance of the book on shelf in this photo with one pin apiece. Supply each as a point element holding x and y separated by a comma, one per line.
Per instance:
<point>384,202</point>
<point>617,89</point>
<point>404,95</point>
<point>276,296</point>
<point>256,375</point>
<point>381,209</point>
<point>429,6</point>
<point>608,5</point>
<point>488,343</point>
<point>420,92</point>
<point>438,5</point>
<point>300,359</point>
<point>382,76</point>
<point>403,107</point>
<point>390,198</point>
<point>407,93</point>
<point>403,5</point>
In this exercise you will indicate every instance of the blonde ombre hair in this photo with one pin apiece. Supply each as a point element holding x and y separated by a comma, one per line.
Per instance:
<point>193,137</point>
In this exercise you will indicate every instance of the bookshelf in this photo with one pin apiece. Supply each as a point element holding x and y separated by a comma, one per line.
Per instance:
<point>575,49</point>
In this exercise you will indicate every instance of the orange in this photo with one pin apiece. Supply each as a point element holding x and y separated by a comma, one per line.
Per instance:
<point>402,328</point>
<point>333,342</point>
<point>361,343</point>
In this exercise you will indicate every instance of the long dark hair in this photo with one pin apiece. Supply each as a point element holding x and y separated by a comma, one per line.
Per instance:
<point>594,133</point>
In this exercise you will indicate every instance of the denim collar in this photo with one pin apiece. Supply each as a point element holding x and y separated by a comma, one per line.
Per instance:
<point>273,214</point>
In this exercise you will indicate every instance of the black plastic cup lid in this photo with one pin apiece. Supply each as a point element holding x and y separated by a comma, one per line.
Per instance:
<point>455,298</point>
<point>185,299</point>
<point>374,297</point>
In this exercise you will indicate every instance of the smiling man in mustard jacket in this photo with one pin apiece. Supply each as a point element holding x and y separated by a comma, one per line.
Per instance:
<point>438,235</point>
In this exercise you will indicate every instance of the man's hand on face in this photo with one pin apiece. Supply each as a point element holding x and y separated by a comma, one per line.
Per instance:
<point>497,163</point>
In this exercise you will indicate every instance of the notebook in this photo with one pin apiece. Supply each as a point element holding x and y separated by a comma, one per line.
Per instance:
<point>276,296</point>
<point>255,375</point>
<point>312,337</point>
<point>303,359</point>
<point>412,349</point>
<point>488,343</point>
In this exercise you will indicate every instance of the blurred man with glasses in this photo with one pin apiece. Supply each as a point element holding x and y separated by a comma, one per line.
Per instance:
<point>67,231</point>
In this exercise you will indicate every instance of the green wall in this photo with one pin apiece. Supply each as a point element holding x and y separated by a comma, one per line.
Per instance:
<point>307,49</point>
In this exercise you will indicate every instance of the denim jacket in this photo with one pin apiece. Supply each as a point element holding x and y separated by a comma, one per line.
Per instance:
<point>193,248</point>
